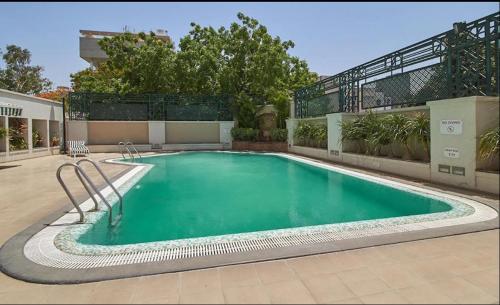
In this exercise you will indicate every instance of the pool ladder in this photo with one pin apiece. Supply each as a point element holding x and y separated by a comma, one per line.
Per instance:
<point>89,187</point>
<point>125,146</point>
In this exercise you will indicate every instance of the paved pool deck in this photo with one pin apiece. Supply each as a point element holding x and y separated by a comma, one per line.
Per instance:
<point>455,269</point>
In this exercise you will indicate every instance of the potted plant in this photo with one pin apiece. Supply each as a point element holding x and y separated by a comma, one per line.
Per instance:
<point>3,132</point>
<point>489,143</point>
<point>54,141</point>
<point>398,127</point>
<point>419,127</point>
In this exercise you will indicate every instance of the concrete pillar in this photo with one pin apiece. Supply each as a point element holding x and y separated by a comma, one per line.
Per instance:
<point>30,134</point>
<point>47,133</point>
<point>456,125</point>
<point>334,135</point>
<point>4,142</point>
<point>225,132</point>
<point>291,124</point>
<point>156,132</point>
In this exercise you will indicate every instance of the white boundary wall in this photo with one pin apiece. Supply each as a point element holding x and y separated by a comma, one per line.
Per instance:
<point>156,136</point>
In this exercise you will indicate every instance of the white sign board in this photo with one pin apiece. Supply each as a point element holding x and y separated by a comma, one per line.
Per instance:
<point>451,127</point>
<point>450,152</point>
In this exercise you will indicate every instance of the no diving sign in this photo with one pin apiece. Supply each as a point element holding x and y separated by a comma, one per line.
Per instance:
<point>451,127</point>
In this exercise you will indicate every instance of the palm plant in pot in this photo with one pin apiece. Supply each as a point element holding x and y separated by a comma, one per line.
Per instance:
<point>420,128</point>
<point>397,125</point>
<point>351,133</point>
<point>383,136</point>
<point>369,126</point>
<point>489,143</point>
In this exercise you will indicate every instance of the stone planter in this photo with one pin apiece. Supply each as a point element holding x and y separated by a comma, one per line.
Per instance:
<point>260,146</point>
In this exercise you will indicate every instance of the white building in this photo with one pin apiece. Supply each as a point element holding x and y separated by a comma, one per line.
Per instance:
<point>27,118</point>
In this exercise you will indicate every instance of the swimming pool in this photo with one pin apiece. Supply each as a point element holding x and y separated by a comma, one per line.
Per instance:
<point>201,194</point>
<point>190,210</point>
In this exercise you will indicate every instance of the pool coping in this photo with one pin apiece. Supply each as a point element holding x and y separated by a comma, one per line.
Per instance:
<point>14,262</point>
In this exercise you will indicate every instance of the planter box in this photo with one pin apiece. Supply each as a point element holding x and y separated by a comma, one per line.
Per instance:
<point>317,153</point>
<point>260,146</point>
<point>413,169</point>
<point>488,182</point>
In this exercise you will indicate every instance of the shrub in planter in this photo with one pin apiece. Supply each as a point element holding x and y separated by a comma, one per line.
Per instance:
<point>37,139</point>
<point>244,134</point>
<point>398,126</point>
<point>489,143</point>
<point>55,141</point>
<point>313,135</point>
<point>279,135</point>
<point>419,127</point>
<point>16,136</point>
<point>3,132</point>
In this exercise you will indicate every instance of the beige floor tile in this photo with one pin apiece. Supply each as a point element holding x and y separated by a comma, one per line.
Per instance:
<point>33,295</point>
<point>462,291</point>
<point>431,269</point>
<point>211,296</point>
<point>239,275</point>
<point>457,266</point>
<point>425,294</point>
<point>115,292</point>
<point>305,266</point>
<point>357,275</point>
<point>371,255</point>
<point>487,280</point>
<point>423,249</point>
<point>396,275</point>
<point>289,292</point>
<point>246,295</point>
<point>200,280</point>
<point>274,271</point>
<point>367,287</point>
<point>327,288</point>
<point>162,288</point>
<point>344,260</point>
<point>388,297</point>
<point>348,301</point>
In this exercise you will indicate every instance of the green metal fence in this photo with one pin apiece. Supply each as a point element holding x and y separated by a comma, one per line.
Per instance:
<point>148,107</point>
<point>460,62</point>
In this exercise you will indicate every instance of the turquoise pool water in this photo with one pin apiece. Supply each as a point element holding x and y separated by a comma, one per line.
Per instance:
<point>199,194</point>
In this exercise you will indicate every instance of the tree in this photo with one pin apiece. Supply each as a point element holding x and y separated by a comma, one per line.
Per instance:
<point>60,94</point>
<point>243,61</point>
<point>18,75</point>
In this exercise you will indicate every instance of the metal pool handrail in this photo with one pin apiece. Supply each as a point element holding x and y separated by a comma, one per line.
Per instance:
<point>123,145</point>
<point>98,168</point>
<point>81,174</point>
<point>135,149</point>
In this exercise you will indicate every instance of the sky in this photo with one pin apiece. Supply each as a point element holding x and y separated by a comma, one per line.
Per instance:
<point>331,37</point>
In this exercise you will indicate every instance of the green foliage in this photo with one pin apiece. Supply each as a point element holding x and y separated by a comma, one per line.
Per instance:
<point>245,110</point>
<point>279,135</point>
<point>244,61</point>
<point>19,75</point>
<point>489,143</point>
<point>36,138</point>
<point>397,125</point>
<point>244,134</point>
<point>3,132</point>
<point>16,135</point>
<point>373,132</point>
<point>313,135</point>
<point>419,127</point>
